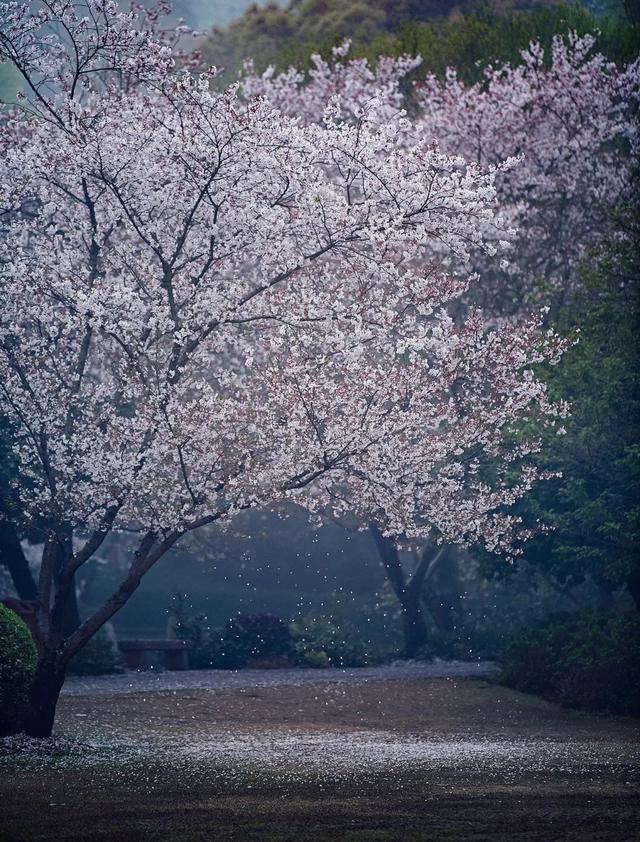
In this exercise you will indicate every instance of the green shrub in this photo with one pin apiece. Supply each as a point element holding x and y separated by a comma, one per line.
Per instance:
<point>17,665</point>
<point>204,649</point>
<point>319,639</point>
<point>481,35</point>
<point>470,641</point>
<point>315,658</point>
<point>583,660</point>
<point>267,640</point>
<point>262,638</point>
<point>251,637</point>
<point>98,657</point>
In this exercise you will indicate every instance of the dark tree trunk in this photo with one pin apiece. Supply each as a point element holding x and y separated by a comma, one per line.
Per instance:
<point>71,620</point>
<point>45,691</point>
<point>633,586</point>
<point>69,617</point>
<point>56,649</point>
<point>409,594</point>
<point>413,626</point>
<point>442,596</point>
<point>12,556</point>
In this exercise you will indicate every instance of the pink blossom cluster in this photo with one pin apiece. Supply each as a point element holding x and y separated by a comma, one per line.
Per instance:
<point>350,84</point>
<point>569,117</point>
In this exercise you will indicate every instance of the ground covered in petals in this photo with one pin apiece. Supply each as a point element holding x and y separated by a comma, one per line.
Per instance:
<point>375,757</point>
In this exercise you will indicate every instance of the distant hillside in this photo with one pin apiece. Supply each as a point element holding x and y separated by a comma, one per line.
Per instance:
<point>274,32</point>
<point>467,34</point>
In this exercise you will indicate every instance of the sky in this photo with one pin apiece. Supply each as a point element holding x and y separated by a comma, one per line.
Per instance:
<point>203,14</point>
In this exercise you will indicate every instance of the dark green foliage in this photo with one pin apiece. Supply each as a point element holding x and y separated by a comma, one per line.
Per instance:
<point>210,648</point>
<point>98,657</point>
<point>17,665</point>
<point>259,34</point>
<point>468,642</point>
<point>247,638</point>
<point>486,36</point>
<point>267,640</point>
<point>203,653</point>
<point>314,658</point>
<point>584,660</point>
<point>483,34</point>
<point>594,508</point>
<point>320,642</point>
<point>255,637</point>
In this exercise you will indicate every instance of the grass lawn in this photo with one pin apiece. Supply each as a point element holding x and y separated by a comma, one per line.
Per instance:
<point>423,759</point>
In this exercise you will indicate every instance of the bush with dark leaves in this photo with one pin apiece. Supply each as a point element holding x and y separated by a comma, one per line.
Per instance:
<point>320,642</point>
<point>17,665</point>
<point>586,660</point>
<point>248,638</point>
<point>98,657</point>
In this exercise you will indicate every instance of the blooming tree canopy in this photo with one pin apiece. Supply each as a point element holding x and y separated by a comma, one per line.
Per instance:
<point>571,116</point>
<point>351,83</point>
<point>209,305</point>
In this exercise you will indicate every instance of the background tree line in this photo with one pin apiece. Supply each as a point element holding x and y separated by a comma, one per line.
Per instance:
<point>466,35</point>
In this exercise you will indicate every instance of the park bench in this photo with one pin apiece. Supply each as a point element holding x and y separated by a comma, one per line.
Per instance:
<point>174,652</point>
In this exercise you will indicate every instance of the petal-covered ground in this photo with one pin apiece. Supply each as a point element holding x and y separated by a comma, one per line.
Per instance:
<point>360,755</point>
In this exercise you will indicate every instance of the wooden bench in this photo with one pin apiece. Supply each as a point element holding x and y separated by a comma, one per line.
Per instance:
<point>174,652</point>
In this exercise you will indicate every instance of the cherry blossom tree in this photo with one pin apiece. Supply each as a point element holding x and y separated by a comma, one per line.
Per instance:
<point>352,82</point>
<point>210,306</point>
<point>571,115</point>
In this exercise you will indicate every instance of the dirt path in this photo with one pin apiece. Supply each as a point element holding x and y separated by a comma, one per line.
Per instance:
<point>363,759</point>
<point>147,681</point>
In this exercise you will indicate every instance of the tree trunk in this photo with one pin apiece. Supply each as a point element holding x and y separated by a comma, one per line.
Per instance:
<point>633,586</point>
<point>71,619</point>
<point>45,691</point>
<point>70,616</point>
<point>413,626</point>
<point>409,593</point>
<point>442,596</point>
<point>12,556</point>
